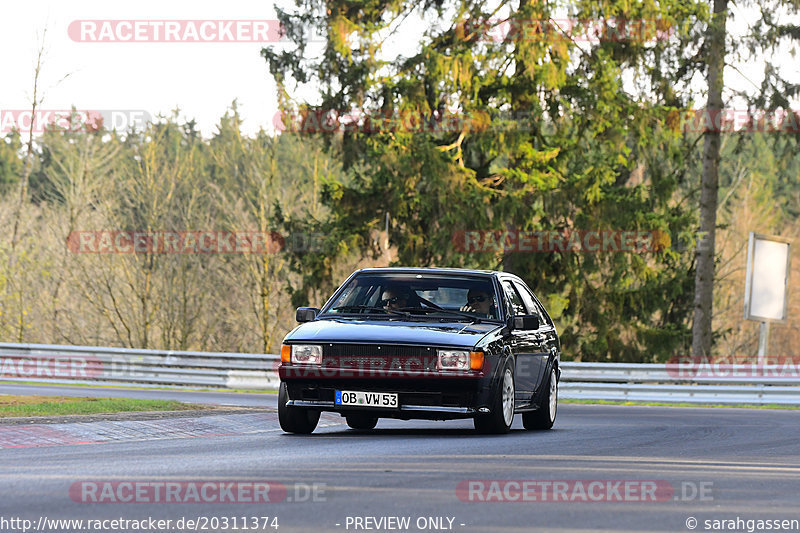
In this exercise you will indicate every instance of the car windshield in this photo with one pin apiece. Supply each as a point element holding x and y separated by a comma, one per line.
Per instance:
<point>420,295</point>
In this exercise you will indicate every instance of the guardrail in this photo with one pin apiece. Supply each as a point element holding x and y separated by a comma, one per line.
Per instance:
<point>723,384</point>
<point>142,368</point>
<point>704,384</point>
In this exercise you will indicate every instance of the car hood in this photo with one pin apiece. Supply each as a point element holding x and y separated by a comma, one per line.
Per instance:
<point>457,334</point>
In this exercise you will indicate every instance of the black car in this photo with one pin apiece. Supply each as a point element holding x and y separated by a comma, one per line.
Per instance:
<point>427,343</point>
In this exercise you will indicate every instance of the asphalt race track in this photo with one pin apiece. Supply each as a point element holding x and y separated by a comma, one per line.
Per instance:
<point>706,464</point>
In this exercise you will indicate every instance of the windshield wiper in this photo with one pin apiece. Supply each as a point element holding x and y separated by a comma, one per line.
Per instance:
<point>437,309</point>
<point>345,308</point>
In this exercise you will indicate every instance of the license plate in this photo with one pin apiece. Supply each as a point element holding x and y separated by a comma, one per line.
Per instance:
<point>366,399</point>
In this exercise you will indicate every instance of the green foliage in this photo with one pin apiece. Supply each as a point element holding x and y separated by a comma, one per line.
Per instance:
<point>11,164</point>
<point>564,146</point>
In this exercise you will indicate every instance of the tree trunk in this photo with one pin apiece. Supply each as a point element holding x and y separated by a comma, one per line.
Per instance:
<point>704,274</point>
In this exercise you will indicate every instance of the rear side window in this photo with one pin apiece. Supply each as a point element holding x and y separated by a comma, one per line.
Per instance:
<point>533,304</point>
<point>527,298</point>
<point>517,307</point>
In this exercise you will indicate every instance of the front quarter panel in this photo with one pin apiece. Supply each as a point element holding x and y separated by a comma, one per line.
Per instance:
<point>497,352</point>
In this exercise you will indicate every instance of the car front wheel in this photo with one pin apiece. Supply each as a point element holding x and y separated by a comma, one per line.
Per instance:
<point>295,419</point>
<point>360,421</point>
<point>501,417</point>
<point>545,415</point>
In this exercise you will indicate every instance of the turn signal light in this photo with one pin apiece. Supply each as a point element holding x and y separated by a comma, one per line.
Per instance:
<point>286,353</point>
<point>475,360</point>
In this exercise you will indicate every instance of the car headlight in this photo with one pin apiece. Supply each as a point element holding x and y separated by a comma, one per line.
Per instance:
<point>453,359</point>
<point>307,354</point>
<point>459,360</point>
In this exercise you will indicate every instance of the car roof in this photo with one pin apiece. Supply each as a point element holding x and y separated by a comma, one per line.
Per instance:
<point>441,270</point>
<point>438,270</point>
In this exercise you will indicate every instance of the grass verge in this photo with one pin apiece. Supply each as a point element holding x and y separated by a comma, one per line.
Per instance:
<point>24,406</point>
<point>134,387</point>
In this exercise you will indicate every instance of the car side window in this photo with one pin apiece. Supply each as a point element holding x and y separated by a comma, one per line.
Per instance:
<point>544,318</point>
<point>527,298</point>
<point>517,307</point>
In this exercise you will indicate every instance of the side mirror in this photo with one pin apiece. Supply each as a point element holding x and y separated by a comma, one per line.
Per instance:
<point>526,322</point>
<point>306,314</point>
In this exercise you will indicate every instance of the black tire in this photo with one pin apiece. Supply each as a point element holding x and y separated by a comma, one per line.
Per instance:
<point>498,420</point>
<point>295,419</point>
<point>361,421</point>
<point>545,416</point>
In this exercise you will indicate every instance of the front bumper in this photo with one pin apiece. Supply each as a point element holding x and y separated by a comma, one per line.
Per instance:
<point>431,398</point>
<point>331,406</point>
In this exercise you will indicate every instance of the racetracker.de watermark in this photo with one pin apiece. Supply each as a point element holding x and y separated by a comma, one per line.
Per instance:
<point>73,120</point>
<point>582,490</point>
<point>373,367</point>
<point>173,242</point>
<point>193,242</point>
<point>314,121</point>
<point>735,367</point>
<point>591,241</point>
<point>735,120</point>
<point>566,30</point>
<point>62,366</point>
<point>175,31</point>
<point>194,491</point>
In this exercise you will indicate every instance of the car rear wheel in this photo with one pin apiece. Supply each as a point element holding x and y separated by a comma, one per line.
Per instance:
<point>501,417</point>
<point>361,421</point>
<point>545,415</point>
<point>295,419</point>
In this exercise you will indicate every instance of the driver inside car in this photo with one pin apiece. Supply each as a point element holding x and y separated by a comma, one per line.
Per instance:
<point>395,298</point>
<point>479,302</point>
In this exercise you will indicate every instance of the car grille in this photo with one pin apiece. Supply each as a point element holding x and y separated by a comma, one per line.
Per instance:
<point>379,357</point>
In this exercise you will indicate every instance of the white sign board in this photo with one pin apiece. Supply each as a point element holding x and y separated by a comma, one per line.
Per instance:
<point>767,282</point>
